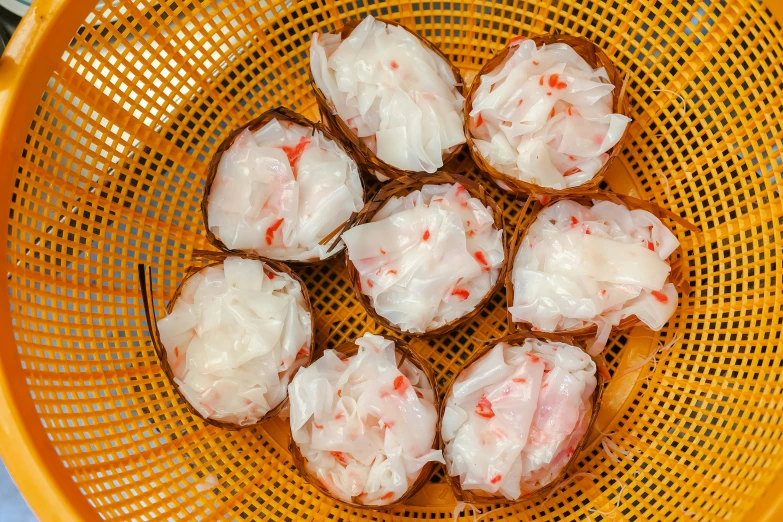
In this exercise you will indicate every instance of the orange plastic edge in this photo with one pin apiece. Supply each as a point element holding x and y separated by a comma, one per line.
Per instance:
<point>28,454</point>
<point>23,445</point>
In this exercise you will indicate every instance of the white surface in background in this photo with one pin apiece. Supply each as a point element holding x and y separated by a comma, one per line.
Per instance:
<point>18,7</point>
<point>13,508</point>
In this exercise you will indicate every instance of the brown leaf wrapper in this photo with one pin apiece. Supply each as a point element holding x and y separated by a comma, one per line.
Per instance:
<point>596,58</point>
<point>677,276</point>
<point>401,187</point>
<point>281,114</point>
<point>482,497</point>
<point>349,350</point>
<point>364,156</point>
<point>213,259</point>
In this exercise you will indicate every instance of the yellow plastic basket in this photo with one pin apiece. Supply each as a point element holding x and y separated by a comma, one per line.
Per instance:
<point>109,116</point>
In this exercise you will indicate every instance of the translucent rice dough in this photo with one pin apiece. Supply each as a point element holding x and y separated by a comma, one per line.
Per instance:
<point>514,418</point>
<point>365,427</point>
<point>398,96</point>
<point>545,116</point>
<point>427,258</point>
<point>280,190</point>
<point>579,266</point>
<point>235,336</point>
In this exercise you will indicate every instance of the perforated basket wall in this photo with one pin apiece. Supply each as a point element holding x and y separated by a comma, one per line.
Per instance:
<point>110,116</point>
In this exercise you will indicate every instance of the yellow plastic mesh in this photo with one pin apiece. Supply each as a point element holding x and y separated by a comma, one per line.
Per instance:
<point>113,171</point>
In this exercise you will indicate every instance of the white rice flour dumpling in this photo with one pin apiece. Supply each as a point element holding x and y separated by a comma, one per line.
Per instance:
<point>398,96</point>
<point>579,266</point>
<point>514,418</point>
<point>427,258</point>
<point>280,190</point>
<point>545,116</point>
<point>365,427</point>
<point>236,334</point>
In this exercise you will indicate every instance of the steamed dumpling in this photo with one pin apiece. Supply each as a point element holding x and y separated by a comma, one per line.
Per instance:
<point>545,116</point>
<point>235,336</point>
<point>579,266</point>
<point>397,95</point>
<point>365,425</point>
<point>513,418</point>
<point>280,190</point>
<point>427,258</point>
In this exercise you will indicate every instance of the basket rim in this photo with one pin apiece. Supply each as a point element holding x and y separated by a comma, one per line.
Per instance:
<point>28,62</point>
<point>36,469</point>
